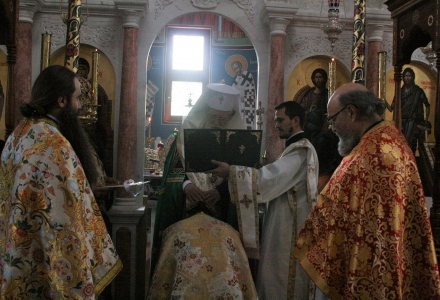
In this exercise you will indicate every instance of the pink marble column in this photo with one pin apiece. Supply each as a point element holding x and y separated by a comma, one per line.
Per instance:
<point>127,134</point>
<point>23,69</point>
<point>274,146</point>
<point>375,43</point>
<point>373,66</point>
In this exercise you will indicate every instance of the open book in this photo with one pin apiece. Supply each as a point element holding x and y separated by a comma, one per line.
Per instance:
<point>236,147</point>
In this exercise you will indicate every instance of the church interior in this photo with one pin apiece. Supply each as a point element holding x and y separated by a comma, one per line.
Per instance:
<point>129,47</point>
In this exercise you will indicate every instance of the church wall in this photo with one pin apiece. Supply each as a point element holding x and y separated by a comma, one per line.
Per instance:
<point>102,33</point>
<point>304,39</point>
<point>159,15</point>
<point>221,58</point>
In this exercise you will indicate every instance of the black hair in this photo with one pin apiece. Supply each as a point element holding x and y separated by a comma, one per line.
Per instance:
<point>409,70</point>
<point>320,71</point>
<point>293,109</point>
<point>52,83</point>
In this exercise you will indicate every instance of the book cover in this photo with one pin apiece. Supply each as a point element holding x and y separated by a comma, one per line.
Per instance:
<point>235,147</point>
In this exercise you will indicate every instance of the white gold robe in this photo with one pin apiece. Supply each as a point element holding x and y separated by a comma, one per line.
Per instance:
<point>289,186</point>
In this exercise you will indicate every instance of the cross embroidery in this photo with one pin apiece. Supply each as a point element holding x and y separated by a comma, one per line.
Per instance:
<point>242,147</point>
<point>221,99</point>
<point>246,201</point>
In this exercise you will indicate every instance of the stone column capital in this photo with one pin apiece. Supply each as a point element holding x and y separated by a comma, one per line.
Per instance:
<point>378,22</point>
<point>278,15</point>
<point>278,26</point>
<point>131,12</point>
<point>27,9</point>
<point>375,33</point>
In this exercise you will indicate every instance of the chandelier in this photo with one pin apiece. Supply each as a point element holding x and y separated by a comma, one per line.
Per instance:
<point>333,27</point>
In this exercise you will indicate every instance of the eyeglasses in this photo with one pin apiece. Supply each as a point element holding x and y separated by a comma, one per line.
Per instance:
<point>329,119</point>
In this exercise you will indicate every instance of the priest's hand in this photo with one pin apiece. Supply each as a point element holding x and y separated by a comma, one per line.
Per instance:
<point>193,194</point>
<point>99,190</point>
<point>222,169</point>
<point>212,197</point>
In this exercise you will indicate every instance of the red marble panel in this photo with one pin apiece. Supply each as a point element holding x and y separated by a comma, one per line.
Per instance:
<point>276,96</point>
<point>127,137</point>
<point>23,67</point>
<point>372,75</point>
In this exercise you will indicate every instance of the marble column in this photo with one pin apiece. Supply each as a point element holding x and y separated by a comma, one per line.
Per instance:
<point>126,215</point>
<point>276,85</point>
<point>374,40</point>
<point>23,69</point>
<point>127,134</point>
<point>277,14</point>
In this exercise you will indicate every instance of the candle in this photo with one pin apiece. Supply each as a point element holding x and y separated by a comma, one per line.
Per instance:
<point>95,65</point>
<point>332,77</point>
<point>45,50</point>
<point>382,73</point>
<point>175,132</point>
<point>149,129</point>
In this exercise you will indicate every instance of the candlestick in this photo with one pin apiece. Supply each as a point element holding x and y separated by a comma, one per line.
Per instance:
<point>149,138</point>
<point>95,65</point>
<point>45,50</point>
<point>382,72</point>
<point>149,128</point>
<point>259,113</point>
<point>332,77</point>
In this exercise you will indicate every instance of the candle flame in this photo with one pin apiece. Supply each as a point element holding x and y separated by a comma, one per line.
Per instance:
<point>333,59</point>
<point>149,119</point>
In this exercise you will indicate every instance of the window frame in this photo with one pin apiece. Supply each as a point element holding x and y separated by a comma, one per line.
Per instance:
<point>184,75</point>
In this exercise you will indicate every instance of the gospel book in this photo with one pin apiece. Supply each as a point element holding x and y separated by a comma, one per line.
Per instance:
<point>235,147</point>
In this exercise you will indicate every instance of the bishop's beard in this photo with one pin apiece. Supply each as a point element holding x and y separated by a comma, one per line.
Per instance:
<point>72,129</point>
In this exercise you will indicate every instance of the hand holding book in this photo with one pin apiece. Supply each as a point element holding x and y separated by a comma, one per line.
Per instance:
<point>222,169</point>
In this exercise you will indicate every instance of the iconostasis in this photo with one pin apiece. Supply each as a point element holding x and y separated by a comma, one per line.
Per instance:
<point>302,73</point>
<point>426,79</point>
<point>106,72</point>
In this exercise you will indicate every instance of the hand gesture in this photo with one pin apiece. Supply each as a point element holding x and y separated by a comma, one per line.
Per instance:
<point>222,169</point>
<point>193,195</point>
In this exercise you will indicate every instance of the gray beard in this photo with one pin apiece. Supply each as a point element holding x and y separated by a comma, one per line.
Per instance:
<point>346,144</point>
